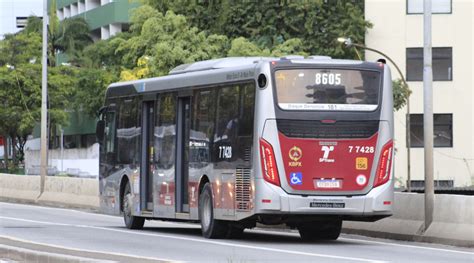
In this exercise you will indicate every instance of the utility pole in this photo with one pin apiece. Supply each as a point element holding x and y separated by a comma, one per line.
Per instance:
<point>428,114</point>
<point>408,142</point>
<point>44,100</point>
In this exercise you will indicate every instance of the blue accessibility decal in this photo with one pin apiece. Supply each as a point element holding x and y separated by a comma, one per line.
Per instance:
<point>296,178</point>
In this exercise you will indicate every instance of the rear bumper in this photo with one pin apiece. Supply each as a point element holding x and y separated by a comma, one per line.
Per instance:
<point>378,203</point>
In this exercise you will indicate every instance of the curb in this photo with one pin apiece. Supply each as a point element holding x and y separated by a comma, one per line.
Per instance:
<point>405,237</point>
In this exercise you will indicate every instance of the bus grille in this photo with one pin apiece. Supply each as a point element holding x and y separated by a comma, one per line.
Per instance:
<point>336,130</point>
<point>242,189</point>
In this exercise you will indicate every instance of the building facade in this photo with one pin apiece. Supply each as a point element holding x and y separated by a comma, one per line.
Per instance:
<point>105,17</point>
<point>14,14</point>
<point>398,32</point>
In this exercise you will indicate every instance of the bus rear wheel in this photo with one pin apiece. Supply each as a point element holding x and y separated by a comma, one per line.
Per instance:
<point>131,221</point>
<point>210,227</point>
<point>328,230</point>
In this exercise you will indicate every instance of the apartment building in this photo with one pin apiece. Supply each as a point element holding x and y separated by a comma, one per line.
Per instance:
<point>398,32</point>
<point>105,17</point>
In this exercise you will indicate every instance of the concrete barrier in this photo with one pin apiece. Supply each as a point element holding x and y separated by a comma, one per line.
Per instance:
<point>453,221</point>
<point>59,191</point>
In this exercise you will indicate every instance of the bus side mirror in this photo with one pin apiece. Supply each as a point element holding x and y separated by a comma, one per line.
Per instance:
<point>100,130</point>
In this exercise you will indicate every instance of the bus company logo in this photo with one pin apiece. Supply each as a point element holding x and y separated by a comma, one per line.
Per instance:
<point>326,150</point>
<point>295,155</point>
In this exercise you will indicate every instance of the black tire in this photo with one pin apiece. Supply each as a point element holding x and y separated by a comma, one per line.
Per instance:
<point>131,221</point>
<point>210,227</point>
<point>315,231</point>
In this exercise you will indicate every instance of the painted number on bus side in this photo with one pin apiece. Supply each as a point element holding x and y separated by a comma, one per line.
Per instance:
<point>225,152</point>
<point>328,79</point>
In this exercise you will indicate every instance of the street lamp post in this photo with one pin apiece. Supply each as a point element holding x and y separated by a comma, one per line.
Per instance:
<point>44,101</point>
<point>348,42</point>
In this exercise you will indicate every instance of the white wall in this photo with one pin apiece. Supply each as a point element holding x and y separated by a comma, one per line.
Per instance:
<point>115,28</point>
<point>80,162</point>
<point>105,32</point>
<point>393,30</point>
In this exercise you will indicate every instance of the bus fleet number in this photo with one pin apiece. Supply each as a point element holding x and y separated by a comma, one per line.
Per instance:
<point>328,78</point>
<point>225,152</point>
<point>361,149</point>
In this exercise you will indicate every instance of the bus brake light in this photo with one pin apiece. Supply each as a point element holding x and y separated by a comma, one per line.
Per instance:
<point>267,158</point>
<point>383,169</point>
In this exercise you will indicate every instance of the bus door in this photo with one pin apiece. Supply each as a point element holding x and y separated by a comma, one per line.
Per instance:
<point>147,165</point>
<point>182,154</point>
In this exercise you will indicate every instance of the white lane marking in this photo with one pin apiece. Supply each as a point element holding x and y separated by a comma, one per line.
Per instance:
<point>263,231</point>
<point>372,241</point>
<point>199,240</point>
<point>408,246</point>
<point>86,250</point>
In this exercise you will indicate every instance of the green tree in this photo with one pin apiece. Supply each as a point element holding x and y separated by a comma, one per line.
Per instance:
<point>401,92</point>
<point>167,40</point>
<point>20,88</point>
<point>317,23</point>
<point>92,84</point>
<point>20,102</point>
<point>69,36</point>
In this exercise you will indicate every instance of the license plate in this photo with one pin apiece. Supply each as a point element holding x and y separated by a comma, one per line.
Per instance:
<point>327,205</point>
<point>328,183</point>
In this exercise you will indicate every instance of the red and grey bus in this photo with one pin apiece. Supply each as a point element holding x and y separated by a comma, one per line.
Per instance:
<point>232,142</point>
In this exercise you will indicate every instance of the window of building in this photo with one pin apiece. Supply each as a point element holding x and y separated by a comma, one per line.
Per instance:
<point>442,130</point>
<point>437,6</point>
<point>442,64</point>
<point>21,21</point>
<point>438,184</point>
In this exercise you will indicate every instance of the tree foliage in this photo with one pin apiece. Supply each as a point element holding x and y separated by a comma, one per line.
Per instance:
<point>20,80</point>
<point>401,92</point>
<point>168,40</point>
<point>317,23</point>
<point>70,36</point>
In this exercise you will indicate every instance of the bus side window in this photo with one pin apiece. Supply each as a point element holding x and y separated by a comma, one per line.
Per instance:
<point>110,133</point>
<point>128,132</point>
<point>165,131</point>
<point>246,109</point>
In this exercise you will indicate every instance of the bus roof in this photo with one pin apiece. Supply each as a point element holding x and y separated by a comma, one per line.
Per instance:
<point>214,71</point>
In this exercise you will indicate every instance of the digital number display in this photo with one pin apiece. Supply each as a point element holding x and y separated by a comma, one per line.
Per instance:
<point>328,79</point>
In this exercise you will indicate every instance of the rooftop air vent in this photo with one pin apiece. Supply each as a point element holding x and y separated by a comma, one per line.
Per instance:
<point>292,57</point>
<point>319,57</point>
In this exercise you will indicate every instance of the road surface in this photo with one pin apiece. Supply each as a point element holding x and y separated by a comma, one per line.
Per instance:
<point>104,238</point>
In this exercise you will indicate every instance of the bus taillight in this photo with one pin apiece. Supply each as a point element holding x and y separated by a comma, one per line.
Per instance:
<point>267,158</point>
<point>383,169</point>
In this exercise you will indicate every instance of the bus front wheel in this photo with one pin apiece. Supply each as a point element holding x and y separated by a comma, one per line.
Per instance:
<point>210,227</point>
<point>314,231</point>
<point>131,221</point>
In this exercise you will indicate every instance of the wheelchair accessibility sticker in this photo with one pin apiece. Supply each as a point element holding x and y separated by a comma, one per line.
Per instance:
<point>296,178</point>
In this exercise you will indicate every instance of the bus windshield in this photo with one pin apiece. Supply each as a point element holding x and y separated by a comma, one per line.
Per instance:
<point>327,89</point>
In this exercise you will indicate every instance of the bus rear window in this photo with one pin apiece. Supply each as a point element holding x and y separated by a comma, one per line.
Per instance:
<point>327,89</point>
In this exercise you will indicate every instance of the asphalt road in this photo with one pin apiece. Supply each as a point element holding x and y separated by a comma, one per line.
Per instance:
<point>103,237</point>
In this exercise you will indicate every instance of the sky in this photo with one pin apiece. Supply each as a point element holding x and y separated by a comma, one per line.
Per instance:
<point>10,9</point>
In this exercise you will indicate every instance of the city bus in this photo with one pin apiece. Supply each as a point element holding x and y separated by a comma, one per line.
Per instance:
<point>232,142</point>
